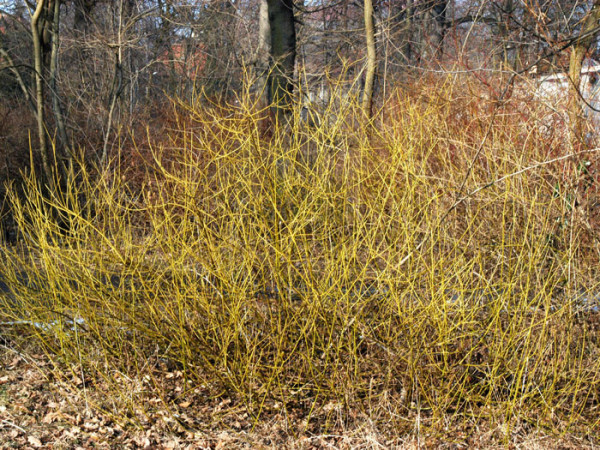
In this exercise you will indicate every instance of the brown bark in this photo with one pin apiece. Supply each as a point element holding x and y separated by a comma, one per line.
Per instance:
<point>38,57</point>
<point>587,35</point>
<point>56,108</point>
<point>367,100</point>
<point>264,49</point>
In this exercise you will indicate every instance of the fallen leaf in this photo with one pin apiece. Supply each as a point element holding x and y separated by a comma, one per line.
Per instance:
<point>49,418</point>
<point>34,441</point>
<point>142,442</point>
<point>90,426</point>
<point>94,436</point>
<point>15,362</point>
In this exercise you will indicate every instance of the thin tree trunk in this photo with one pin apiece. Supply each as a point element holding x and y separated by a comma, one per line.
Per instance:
<point>589,31</point>
<point>58,116</point>
<point>264,50</point>
<point>367,100</point>
<point>407,30</point>
<point>116,90</point>
<point>10,65</point>
<point>440,10</point>
<point>39,88</point>
<point>117,86</point>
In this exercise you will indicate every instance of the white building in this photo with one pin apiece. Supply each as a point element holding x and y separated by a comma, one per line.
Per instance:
<point>553,91</point>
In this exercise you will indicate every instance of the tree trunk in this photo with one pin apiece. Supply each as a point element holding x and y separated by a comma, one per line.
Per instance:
<point>367,100</point>
<point>58,116</point>
<point>589,31</point>
<point>264,50</point>
<point>440,14</point>
<point>38,57</point>
<point>405,18</point>
<point>82,17</point>
<point>283,54</point>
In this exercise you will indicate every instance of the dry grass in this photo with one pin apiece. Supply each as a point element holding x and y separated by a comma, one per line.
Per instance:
<point>330,273</point>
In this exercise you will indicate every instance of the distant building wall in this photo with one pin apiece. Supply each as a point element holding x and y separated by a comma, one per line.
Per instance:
<point>554,90</point>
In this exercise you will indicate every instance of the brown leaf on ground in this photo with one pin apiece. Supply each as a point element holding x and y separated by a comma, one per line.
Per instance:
<point>41,410</point>
<point>34,441</point>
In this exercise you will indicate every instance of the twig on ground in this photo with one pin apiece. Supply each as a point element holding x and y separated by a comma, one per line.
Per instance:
<point>9,423</point>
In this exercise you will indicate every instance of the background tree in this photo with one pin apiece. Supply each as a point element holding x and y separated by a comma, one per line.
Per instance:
<point>41,38</point>
<point>367,101</point>
<point>283,53</point>
<point>581,46</point>
<point>116,62</point>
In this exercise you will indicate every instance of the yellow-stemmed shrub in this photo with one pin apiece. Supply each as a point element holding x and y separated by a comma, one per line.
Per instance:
<point>377,267</point>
